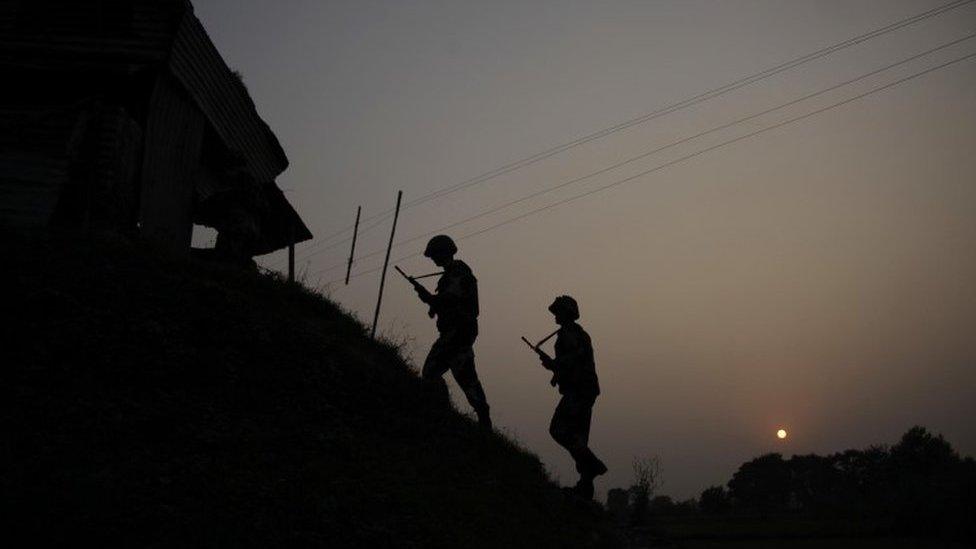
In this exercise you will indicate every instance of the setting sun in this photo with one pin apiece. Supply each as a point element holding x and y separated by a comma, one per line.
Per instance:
<point>781,433</point>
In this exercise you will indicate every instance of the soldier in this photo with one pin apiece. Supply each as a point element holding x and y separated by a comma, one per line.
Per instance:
<point>455,304</point>
<point>575,373</point>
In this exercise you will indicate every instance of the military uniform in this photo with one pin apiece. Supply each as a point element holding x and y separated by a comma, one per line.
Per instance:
<point>575,372</point>
<point>456,305</point>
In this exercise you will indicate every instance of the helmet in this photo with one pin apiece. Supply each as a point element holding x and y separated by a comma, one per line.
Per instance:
<point>440,244</point>
<point>565,306</point>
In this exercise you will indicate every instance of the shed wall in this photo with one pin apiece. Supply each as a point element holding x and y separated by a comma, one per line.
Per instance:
<point>174,135</point>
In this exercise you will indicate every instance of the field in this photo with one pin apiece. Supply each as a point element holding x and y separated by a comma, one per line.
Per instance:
<point>741,532</point>
<point>825,543</point>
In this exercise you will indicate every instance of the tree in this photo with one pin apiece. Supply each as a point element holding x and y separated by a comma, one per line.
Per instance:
<point>864,480</point>
<point>662,505</point>
<point>920,486</point>
<point>815,483</point>
<point>920,453</point>
<point>685,507</point>
<point>647,481</point>
<point>714,500</point>
<point>925,473</point>
<point>762,484</point>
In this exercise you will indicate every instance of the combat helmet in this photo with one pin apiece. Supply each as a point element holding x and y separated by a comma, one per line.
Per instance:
<point>440,245</point>
<point>565,306</point>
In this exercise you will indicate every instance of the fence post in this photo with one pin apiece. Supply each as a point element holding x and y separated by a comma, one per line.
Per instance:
<point>386,262</point>
<point>352,251</point>
<point>291,262</point>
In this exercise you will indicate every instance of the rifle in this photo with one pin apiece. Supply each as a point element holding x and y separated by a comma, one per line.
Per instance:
<point>546,359</point>
<point>425,294</point>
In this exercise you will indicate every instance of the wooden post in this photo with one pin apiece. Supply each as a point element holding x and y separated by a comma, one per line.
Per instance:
<point>352,251</point>
<point>386,263</point>
<point>291,262</point>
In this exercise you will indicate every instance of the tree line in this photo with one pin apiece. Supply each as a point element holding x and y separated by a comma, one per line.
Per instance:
<point>918,486</point>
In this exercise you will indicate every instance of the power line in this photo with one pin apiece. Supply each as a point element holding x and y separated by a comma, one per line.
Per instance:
<point>690,156</point>
<point>337,244</point>
<point>704,96</point>
<point>665,147</point>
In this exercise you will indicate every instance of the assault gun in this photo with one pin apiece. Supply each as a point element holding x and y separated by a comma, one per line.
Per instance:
<point>424,293</point>
<point>546,359</point>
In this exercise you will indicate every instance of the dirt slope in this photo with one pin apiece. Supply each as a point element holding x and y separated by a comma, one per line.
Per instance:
<point>156,402</point>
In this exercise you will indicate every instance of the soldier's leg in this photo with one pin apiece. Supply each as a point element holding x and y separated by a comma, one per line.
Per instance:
<point>467,379</point>
<point>436,364</point>
<point>561,428</point>
<point>591,465</point>
<point>570,427</point>
<point>565,430</point>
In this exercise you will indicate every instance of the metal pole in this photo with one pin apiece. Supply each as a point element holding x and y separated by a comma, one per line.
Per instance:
<point>352,251</point>
<point>291,262</point>
<point>386,262</point>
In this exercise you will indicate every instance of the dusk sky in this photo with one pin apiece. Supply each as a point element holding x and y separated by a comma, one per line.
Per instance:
<point>817,277</point>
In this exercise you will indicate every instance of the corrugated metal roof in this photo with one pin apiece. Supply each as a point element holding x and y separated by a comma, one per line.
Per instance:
<point>224,100</point>
<point>230,110</point>
<point>282,226</point>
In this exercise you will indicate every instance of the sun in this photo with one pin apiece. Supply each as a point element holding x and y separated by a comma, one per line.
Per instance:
<point>781,434</point>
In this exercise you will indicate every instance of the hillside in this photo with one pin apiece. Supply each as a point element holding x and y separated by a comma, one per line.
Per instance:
<point>157,402</point>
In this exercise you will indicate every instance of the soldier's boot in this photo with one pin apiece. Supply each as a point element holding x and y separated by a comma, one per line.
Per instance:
<point>468,381</point>
<point>598,468</point>
<point>484,418</point>
<point>584,488</point>
<point>587,464</point>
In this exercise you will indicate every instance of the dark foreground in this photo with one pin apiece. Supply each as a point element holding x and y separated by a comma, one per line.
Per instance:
<point>745,532</point>
<point>830,543</point>
<point>156,402</point>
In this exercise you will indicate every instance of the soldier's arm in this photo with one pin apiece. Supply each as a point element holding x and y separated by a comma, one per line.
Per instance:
<point>424,294</point>
<point>448,296</point>
<point>547,361</point>
<point>575,351</point>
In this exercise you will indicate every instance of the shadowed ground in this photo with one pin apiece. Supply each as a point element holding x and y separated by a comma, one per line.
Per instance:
<point>155,402</point>
<point>788,532</point>
<point>833,543</point>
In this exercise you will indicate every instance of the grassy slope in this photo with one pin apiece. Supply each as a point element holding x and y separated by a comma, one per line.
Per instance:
<point>154,402</point>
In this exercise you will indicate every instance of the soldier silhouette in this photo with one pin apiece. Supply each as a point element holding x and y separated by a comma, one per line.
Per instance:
<point>575,373</point>
<point>455,304</point>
